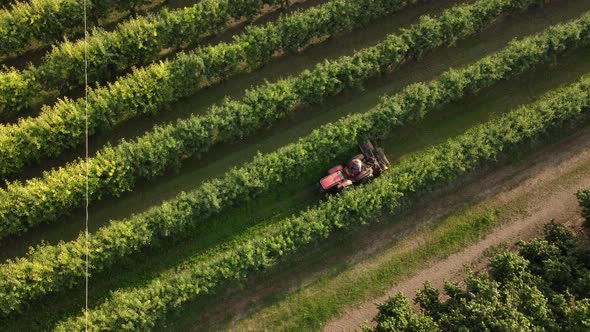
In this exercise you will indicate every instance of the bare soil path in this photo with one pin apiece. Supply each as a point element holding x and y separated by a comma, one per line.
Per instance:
<point>544,185</point>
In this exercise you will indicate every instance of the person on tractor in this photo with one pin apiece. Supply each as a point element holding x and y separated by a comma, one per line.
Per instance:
<point>356,167</point>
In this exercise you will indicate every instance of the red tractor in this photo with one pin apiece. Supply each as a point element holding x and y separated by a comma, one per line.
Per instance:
<point>358,170</point>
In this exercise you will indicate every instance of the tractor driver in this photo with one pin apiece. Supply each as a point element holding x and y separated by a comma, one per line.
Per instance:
<point>356,167</point>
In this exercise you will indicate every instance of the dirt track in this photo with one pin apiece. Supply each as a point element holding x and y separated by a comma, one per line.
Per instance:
<point>544,183</point>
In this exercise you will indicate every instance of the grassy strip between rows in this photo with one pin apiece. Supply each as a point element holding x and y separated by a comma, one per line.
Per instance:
<point>116,170</point>
<point>142,307</point>
<point>133,43</point>
<point>49,20</point>
<point>49,269</point>
<point>152,89</point>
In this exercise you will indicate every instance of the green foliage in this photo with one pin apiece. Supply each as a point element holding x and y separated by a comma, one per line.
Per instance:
<point>559,260</point>
<point>515,296</point>
<point>140,41</point>
<point>508,267</point>
<point>116,169</point>
<point>559,236</point>
<point>396,314</point>
<point>142,307</point>
<point>151,89</point>
<point>429,300</point>
<point>51,268</point>
<point>17,90</point>
<point>577,318</point>
<point>49,20</point>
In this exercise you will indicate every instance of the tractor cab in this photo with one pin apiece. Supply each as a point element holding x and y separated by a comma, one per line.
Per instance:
<point>358,170</point>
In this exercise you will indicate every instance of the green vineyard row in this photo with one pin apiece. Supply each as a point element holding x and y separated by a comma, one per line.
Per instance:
<point>48,269</point>
<point>142,307</point>
<point>151,89</point>
<point>133,43</point>
<point>49,20</point>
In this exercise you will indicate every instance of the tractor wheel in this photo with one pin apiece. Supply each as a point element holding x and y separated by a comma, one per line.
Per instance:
<point>341,190</point>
